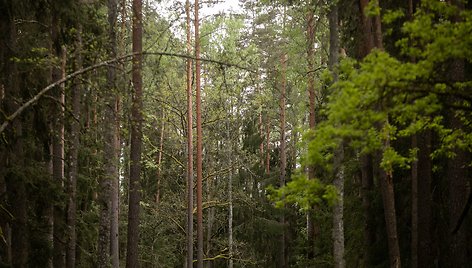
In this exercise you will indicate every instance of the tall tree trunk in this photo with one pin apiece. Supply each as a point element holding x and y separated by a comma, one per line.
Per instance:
<point>199,142</point>
<point>210,218</point>
<point>414,205</point>
<point>367,177</point>
<point>338,213</point>
<point>414,183</point>
<point>115,197</point>
<point>388,197</point>
<point>73,163</point>
<point>367,181</point>
<point>310,32</point>
<point>159,160</point>
<point>283,157</point>
<point>132,254</point>
<point>368,37</point>
<point>58,72</point>
<point>338,209</point>
<point>267,147</point>
<point>230,198</point>
<point>48,211</point>
<point>386,182</point>
<point>261,136</point>
<point>457,174</point>
<point>5,248</point>
<point>111,143</point>
<point>372,31</point>
<point>115,191</point>
<point>421,184</point>
<point>189,144</point>
<point>378,39</point>
<point>17,243</point>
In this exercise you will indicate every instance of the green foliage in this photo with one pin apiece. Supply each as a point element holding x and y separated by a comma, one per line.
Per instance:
<point>303,192</point>
<point>381,88</point>
<point>373,8</point>
<point>382,99</point>
<point>391,16</point>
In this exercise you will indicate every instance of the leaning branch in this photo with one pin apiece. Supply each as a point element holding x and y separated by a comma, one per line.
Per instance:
<point>55,84</point>
<point>43,91</point>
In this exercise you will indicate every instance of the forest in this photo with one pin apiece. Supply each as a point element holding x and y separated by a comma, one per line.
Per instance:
<point>226,133</point>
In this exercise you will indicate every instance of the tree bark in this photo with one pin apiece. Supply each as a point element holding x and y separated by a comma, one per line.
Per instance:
<point>261,136</point>
<point>17,243</point>
<point>424,200</point>
<point>388,196</point>
<point>73,163</point>
<point>386,182</point>
<point>368,37</point>
<point>283,158</point>
<point>372,31</point>
<point>267,147</point>
<point>115,198</point>
<point>210,218</point>
<point>414,206</point>
<point>132,253</point>
<point>338,213</point>
<point>106,193</point>
<point>189,144</point>
<point>230,199</point>
<point>199,141</point>
<point>378,39</point>
<point>338,209</point>
<point>58,73</point>
<point>159,160</point>
<point>367,179</point>
<point>115,190</point>
<point>457,173</point>
<point>310,33</point>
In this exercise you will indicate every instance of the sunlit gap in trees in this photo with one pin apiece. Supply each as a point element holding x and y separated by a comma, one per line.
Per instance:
<point>173,10</point>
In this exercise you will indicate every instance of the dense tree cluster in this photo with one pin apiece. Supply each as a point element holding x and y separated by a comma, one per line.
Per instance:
<point>306,133</point>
